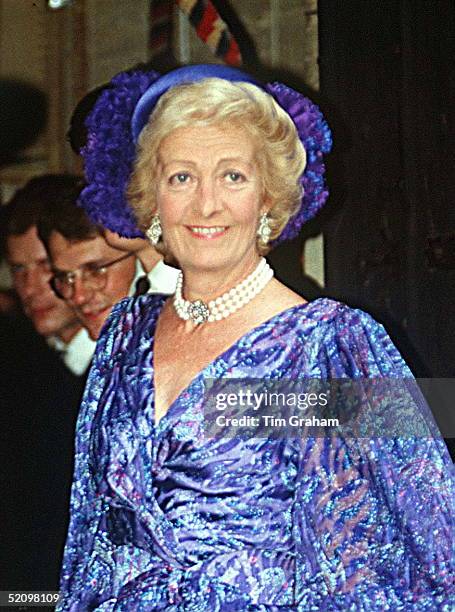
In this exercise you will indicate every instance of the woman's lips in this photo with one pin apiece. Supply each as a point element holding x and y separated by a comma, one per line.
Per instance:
<point>207,232</point>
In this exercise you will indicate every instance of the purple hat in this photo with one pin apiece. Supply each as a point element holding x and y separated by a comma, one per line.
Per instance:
<point>122,111</point>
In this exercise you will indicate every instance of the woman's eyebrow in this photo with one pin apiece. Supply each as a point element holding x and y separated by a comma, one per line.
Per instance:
<point>185,162</point>
<point>235,160</point>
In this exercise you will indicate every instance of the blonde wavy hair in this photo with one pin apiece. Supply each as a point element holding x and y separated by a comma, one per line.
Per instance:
<point>280,156</point>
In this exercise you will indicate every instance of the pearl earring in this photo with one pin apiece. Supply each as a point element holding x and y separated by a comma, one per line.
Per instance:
<point>154,232</point>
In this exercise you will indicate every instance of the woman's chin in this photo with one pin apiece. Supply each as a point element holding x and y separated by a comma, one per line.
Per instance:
<point>207,265</point>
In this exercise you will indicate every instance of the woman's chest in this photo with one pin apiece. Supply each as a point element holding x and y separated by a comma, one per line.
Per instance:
<point>176,365</point>
<point>178,359</point>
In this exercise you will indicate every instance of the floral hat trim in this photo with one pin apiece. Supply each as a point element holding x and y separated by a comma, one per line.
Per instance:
<point>110,152</point>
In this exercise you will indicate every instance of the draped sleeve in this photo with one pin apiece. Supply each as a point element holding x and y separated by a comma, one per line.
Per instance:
<point>88,563</point>
<point>373,517</point>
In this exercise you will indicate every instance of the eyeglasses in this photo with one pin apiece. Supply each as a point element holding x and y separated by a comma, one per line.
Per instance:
<point>93,276</point>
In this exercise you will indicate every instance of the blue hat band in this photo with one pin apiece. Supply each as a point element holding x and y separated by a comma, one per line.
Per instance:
<point>186,74</point>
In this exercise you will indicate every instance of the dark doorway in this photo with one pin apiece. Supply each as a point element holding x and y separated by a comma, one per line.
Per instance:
<point>388,71</point>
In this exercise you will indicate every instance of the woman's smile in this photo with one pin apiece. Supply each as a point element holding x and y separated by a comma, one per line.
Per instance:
<point>203,232</point>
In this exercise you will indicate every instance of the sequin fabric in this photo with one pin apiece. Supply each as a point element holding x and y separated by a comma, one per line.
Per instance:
<point>162,519</point>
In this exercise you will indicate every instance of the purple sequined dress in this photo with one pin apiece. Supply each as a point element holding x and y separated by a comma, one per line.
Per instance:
<point>162,519</point>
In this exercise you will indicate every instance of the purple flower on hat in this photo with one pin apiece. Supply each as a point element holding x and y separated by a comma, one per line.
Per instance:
<point>110,151</point>
<point>316,137</point>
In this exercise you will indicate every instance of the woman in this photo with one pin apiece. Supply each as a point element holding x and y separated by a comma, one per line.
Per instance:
<point>165,517</point>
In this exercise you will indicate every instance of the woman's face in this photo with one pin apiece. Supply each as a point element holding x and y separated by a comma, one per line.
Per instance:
<point>209,197</point>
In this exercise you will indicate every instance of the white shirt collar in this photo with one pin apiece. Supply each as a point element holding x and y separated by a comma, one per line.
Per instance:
<point>162,278</point>
<point>137,275</point>
<point>56,344</point>
<point>79,352</point>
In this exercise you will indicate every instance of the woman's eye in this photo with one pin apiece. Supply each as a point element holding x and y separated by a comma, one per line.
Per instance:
<point>235,177</point>
<point>179,179</point>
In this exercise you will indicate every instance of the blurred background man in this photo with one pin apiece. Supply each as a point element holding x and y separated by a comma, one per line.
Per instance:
<point>44,354</point>
<point>30,267</point>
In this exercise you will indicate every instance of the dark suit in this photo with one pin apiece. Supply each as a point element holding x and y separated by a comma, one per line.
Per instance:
<point>39,401</point>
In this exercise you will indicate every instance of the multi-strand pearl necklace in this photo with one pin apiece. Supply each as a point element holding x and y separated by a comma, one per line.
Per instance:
<point>223,306</point>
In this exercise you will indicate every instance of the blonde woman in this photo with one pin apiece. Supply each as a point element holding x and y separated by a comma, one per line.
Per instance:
<point>165,517</point>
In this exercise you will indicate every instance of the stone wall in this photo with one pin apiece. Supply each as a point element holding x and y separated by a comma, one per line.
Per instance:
<point>65,53</point>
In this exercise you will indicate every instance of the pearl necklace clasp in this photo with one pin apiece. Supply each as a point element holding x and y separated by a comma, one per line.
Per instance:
<point>228,303</point>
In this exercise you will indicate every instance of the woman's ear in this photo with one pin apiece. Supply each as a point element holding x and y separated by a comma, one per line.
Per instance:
<point>266,204</point>
<point>265,208</point>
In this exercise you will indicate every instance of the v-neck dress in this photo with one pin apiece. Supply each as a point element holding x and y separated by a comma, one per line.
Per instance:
<point>163,518</point>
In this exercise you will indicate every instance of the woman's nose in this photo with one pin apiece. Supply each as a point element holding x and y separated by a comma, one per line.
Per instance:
<point>208,200</point>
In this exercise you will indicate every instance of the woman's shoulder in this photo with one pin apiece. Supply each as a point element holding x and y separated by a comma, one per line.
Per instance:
<point>143,308</point>
<point>350,341</point>
<point>303,321</point>
<point>330,313</point>
<point>130,319</point>
<point>337,318</point>
<point>310,325</point>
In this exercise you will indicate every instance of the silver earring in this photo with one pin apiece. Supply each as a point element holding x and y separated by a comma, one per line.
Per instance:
<point>154,232</point>
<point>264,229</point>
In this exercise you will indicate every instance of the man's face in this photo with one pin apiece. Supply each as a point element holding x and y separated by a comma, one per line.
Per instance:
<point>31,272</point>
<point>92,305</point>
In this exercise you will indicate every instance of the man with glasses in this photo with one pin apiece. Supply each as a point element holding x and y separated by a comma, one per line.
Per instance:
<point>30,267</point>
<point>93,276</point>
<point>44,357</point>
<point>88,274</point>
